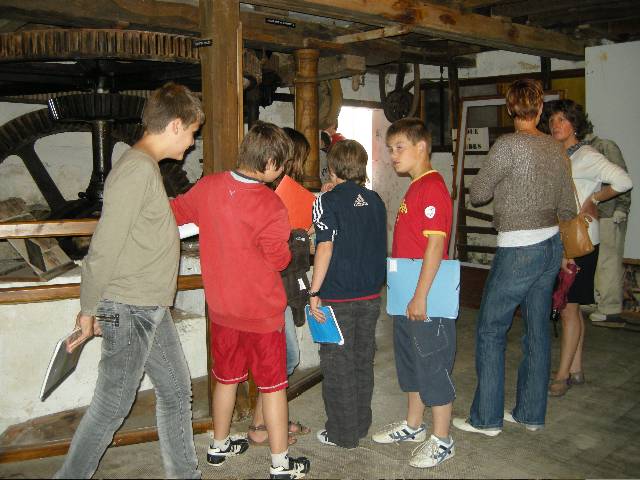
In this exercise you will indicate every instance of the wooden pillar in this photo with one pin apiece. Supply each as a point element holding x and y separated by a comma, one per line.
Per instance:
<point>306,111</point>
<point>221,65</point>
<point>545,69</point>
<point>454,116</point>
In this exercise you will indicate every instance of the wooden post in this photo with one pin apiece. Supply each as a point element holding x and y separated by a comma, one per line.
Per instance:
<point>306,111</point>
<point>454,116</point>
<point>221,82</point>
<point>545,69</point>
<point>221,65</point>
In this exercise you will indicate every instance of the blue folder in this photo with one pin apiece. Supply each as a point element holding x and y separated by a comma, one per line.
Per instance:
<point>443,299</point>
<point>327,332</point>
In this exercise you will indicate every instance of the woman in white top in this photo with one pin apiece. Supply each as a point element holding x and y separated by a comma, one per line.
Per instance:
<point>590,170</point>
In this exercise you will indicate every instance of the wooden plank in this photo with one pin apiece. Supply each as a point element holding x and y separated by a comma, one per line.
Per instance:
<point>479,215</point>
<point>47,228</point>
<point>476,248</point>
<point>60,447</point>
<point>440,21</point>
<point>477,229</point>
<point>47,293</point>
<point>306,110</point>
<point>384,32</point>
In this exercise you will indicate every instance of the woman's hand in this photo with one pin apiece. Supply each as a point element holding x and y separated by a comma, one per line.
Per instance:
<point>589,208</point>
<point>566,262</point>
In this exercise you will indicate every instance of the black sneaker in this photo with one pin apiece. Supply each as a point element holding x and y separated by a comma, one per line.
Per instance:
<point>216,457</point>
<point>298,467</point>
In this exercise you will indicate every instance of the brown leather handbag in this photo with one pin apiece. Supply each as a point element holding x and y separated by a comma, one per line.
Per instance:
<point>575,232</point>
<point>575,236</point>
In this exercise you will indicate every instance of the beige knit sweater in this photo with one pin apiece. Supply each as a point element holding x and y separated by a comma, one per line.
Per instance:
<point>528,179</point>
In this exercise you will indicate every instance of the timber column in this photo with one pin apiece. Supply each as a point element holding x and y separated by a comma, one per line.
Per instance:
<point>306,113</point>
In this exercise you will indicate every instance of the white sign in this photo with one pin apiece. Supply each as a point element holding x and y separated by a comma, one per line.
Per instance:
<point>477,140</point>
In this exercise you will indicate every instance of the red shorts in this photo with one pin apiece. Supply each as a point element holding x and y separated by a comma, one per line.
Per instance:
<point>237,352</point>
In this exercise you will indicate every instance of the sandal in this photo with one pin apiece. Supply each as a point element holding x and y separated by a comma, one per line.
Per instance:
<point>297,428</point>
<point>558,388</point>
<point>576,378</point>
<point>265,442</point>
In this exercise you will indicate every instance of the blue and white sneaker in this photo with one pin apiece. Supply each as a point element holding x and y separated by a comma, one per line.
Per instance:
<point>400,432</point>
<point>216,456</point>
<point>431,453</point>
<point>298,468</point>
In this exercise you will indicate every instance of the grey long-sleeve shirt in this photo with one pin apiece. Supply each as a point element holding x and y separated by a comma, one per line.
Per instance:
<point>135,250</point>
<point>528,178</point>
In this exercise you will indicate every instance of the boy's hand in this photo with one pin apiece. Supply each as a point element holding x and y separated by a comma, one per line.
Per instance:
<point>314,307</point>
<point>89,327</point>
<point>417,309</point>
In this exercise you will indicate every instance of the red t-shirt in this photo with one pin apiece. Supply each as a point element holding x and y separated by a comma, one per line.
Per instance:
<point>244,233</point>
<point>425,210</point>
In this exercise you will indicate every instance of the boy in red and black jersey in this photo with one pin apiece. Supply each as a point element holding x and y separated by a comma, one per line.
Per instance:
<point>424,346</point>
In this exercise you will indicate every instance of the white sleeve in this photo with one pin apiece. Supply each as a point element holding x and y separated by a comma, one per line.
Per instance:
<point>605,171</point>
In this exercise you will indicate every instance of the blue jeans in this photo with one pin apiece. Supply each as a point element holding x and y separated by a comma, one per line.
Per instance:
<point>291,336</point>
<point>520,276</point>
<point>136,340</point>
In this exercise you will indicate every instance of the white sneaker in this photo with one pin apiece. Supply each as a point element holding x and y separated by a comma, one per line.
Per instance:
<point>323,437</point>
<point>464,425</point>
<point>598,317</point>
<point>400,432</point>
<point>431,453</point>
<point>508,416</point>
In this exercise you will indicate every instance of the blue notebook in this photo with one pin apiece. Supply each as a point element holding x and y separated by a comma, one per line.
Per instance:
<point>327,332</point>
<point>443,299</point>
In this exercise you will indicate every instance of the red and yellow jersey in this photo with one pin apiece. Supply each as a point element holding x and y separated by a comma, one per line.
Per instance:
<point>426,209</point>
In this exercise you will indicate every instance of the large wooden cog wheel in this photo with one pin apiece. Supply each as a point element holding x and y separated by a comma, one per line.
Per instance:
<point>19,136</point>
<point>52,45</point>
<point>329,102</point>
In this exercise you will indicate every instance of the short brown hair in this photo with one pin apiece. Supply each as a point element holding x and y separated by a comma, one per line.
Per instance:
<point>294,165</point>
<point>169,102</point>
<point>348,161</point>
<point>262,142</point>
<point>413,128</point>
<point>524,98</point>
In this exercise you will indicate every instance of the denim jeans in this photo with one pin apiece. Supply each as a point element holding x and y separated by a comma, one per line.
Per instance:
<point>347,387</point>
<point>291,336</point>
<point>520,276</point>
<point>136,340</point>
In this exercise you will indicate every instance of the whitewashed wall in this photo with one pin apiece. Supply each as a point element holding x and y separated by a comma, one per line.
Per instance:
<point>613,105</point>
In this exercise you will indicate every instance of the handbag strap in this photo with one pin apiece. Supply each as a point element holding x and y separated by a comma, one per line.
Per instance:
<point>573,184</point>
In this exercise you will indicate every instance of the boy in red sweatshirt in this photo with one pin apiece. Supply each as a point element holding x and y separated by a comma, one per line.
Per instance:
<point>244,229</point>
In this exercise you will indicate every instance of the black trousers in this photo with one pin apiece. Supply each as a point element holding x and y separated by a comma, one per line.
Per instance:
<point>347,387</point>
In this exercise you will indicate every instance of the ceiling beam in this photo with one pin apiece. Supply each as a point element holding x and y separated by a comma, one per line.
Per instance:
<point>441,21</point>
<point>567,7</point>
<point>260,29</point>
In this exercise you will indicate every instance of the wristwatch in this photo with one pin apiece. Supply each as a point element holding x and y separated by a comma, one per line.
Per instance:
<point>313,294</point>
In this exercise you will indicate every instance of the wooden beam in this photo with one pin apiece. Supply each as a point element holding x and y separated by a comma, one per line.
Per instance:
<point>47,293</point>
<point>340,66</point>
<point>440,21</point>
<point>385,32</point>
<point>47,228</point>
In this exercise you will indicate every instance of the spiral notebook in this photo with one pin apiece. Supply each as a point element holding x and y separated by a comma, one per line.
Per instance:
<point>327,331</point>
